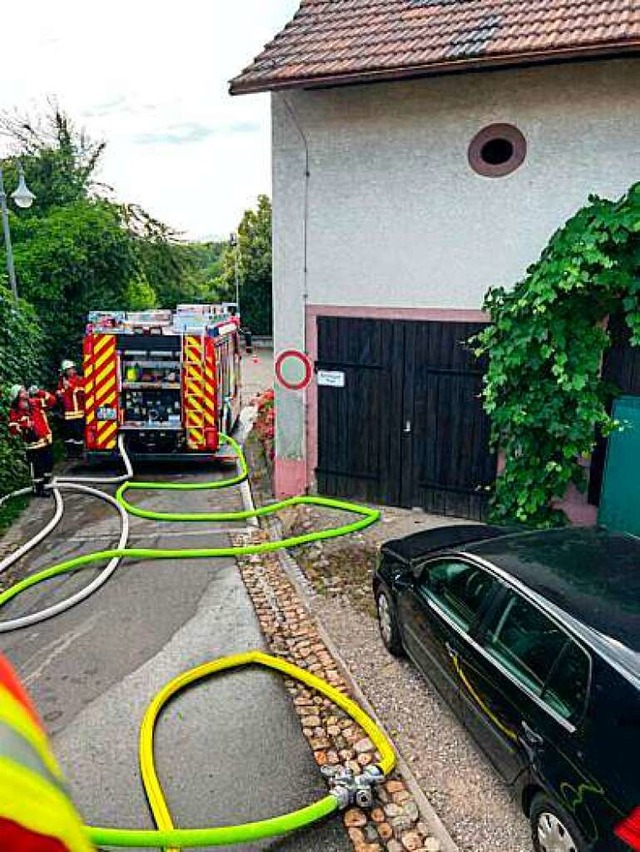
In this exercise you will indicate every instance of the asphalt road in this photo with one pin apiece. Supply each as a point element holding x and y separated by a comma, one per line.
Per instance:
<point>230,750</point>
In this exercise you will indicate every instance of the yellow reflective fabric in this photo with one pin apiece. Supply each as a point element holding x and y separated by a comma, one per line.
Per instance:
<point>28,798</point>
<point>14,714</point>
<point>39,806</point>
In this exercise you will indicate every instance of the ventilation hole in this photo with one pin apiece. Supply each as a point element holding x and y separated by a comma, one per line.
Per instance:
<point>497,151</point>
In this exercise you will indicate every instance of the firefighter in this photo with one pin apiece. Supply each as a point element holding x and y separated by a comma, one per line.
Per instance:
<point>36,814</point>
<point>70,392</point>
<point>28,419</point>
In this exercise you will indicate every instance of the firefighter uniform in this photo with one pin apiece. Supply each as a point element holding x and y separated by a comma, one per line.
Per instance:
<point>70,393</point>
<point>28,419</point>
<point>36,814</point>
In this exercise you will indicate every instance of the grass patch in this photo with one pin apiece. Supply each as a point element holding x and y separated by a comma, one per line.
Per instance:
<point>11,511</point>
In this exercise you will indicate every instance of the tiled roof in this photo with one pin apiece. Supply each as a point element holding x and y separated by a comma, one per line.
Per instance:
<point>342,40</point>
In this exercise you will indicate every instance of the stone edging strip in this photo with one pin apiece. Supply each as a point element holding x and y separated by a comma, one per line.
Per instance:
<point>396,821</point>
<point>431,818</point>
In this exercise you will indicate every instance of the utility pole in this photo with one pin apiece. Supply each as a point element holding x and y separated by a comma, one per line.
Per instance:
<point>233,242</point>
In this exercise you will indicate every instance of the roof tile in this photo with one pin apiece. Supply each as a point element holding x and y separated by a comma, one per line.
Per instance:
<point>350,38</point>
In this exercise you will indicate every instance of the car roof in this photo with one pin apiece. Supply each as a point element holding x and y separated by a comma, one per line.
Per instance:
<point>413,548</point>
<point>590,573</point>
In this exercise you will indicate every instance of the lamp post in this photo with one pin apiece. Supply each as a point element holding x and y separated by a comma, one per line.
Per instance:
<point>233,242</point>
<point>23,197</point>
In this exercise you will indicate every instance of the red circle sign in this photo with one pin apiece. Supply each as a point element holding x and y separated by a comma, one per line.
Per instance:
<point>293,369</point>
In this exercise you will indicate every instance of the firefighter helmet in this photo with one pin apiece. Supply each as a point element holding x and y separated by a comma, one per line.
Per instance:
<point>67,365</point>
<point>14,392</point>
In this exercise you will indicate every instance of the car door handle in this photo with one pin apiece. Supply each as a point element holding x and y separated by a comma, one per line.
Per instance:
<point>531,736</point>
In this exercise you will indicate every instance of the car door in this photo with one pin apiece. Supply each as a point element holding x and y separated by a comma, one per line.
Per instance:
<point>438,610</point>
<point>506,700</point>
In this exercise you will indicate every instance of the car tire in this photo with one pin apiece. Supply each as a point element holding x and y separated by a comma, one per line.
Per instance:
<point>553,828</point>
<point>388,623</point>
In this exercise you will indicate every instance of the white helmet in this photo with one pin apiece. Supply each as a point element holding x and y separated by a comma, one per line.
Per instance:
<point>14,392</point>
<point>67,365</point>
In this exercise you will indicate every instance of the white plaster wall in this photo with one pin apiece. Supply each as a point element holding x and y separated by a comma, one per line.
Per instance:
<point>396,217</point>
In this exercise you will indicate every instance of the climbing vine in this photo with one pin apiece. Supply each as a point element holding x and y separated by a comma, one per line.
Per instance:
<point>543,389</point>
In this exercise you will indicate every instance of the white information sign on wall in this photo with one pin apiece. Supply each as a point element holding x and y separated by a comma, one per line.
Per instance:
<point>331,378</point>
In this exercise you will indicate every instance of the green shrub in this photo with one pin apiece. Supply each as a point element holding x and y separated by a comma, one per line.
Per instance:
<point>20,363</point>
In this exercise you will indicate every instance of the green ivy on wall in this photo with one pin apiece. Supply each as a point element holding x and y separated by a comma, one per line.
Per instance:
<point>543,390</point>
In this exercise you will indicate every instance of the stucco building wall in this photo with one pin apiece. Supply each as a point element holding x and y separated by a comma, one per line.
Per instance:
<point>376,206</point>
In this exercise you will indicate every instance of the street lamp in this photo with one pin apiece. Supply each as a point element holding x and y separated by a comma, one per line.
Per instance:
<point>233,242</point>
<point>23,197</point>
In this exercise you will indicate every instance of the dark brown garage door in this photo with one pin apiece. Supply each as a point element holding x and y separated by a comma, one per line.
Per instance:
<point>406,427</point>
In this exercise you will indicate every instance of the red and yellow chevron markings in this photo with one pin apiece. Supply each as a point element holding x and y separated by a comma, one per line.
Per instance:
<point>209,398</point>
<point>193,383</point>
<point>101,384</point>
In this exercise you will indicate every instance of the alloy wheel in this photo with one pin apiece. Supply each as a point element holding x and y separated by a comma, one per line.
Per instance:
<point>553,836</point>
<point>384,614</point>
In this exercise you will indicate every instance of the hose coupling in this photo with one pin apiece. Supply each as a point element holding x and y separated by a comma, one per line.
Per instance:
<point>350,789</point>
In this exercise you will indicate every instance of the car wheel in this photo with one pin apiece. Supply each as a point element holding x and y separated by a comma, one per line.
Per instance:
<point>388,624</point>
<point>553,828</point>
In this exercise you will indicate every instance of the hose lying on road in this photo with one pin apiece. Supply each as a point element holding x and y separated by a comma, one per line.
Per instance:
<point>173,838</point>
<point>345,787</point>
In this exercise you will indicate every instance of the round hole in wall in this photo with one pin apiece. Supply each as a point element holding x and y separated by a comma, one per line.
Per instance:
<point>497,150</point>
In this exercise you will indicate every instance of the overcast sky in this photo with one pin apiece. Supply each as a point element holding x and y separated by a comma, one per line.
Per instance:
<point>151,78</point>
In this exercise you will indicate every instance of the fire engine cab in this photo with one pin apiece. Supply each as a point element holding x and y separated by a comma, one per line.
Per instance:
<point>168,380</point>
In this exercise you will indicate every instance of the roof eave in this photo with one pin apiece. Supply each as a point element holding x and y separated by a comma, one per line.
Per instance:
<point>609,51</point>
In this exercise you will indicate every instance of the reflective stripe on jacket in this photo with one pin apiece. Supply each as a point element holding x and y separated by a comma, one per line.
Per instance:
<point>35,811</point>
<point>71,394</point>
<point>31,423</point>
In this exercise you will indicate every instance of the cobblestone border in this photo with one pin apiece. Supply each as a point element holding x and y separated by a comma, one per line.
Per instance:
<point>395,823</point>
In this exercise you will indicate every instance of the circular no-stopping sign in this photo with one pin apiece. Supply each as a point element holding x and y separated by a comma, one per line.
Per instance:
<point>293,369</point>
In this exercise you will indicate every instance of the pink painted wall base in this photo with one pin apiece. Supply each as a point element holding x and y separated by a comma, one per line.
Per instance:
<point>290,477</point>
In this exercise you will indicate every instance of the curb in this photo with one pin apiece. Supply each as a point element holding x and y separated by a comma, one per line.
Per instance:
<point>298,581</point>
<point>437,827</point>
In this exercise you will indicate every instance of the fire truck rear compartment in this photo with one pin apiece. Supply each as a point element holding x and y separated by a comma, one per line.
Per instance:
<point>151,398</point>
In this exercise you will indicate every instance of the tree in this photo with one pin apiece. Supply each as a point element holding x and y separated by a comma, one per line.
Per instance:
<point>73,260</point>
<point>254,268</point>
<point>59,160</point>
<point>170,266</point>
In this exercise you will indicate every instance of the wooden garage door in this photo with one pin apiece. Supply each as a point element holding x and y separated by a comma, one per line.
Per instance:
<point>407,427</point>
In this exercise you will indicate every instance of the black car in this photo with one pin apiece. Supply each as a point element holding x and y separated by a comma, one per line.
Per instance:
<point>534,639</point>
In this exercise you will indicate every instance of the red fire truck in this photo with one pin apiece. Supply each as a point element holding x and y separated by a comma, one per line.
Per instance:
<point>168,380</point>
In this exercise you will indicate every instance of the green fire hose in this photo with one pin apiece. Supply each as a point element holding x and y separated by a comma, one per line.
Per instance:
<point>345,788</point>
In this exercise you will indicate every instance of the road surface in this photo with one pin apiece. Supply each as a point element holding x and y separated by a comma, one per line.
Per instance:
<point>228,751</point>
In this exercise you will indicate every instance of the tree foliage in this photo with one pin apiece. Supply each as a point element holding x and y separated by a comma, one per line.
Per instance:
<point>75,259</point>
<point>543,389</point>
<point>253,257</point>
<point>60,160</point>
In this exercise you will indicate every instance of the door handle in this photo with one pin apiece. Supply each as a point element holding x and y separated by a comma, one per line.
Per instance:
<point>407,427</point>
<point>531,736</point>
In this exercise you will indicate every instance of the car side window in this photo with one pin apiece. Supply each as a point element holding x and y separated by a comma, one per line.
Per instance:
<point>567,687</point>
<point>459,588</point>
<point>525,642</point>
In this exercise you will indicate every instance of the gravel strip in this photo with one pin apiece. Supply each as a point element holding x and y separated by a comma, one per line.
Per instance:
<point>394,824</point>
<point>458,780</point>
<point>455,776</point>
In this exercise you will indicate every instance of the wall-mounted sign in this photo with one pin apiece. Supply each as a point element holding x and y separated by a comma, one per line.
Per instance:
<point>330,378</point>
<point>293,369</point>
